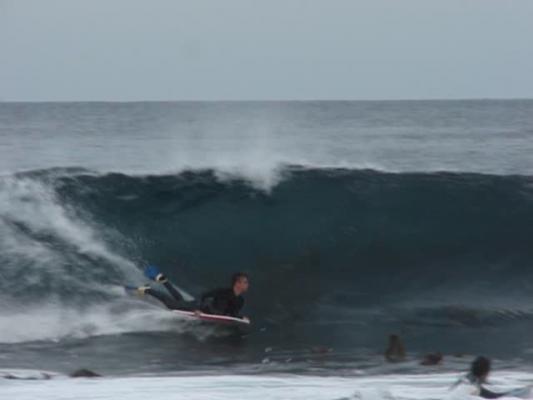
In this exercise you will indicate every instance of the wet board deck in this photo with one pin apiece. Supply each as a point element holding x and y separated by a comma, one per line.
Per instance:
<point>218,319</point>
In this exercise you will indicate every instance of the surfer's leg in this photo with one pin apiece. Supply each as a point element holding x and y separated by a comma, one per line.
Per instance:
<point>168,302</point>
<point>172,304</point>
<point>154,274</point>
<point>172,290</point>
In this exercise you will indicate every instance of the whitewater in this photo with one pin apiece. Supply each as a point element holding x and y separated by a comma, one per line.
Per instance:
<point>355,220</point>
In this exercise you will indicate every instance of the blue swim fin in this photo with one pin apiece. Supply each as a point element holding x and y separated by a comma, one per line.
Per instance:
<point>151,272</point>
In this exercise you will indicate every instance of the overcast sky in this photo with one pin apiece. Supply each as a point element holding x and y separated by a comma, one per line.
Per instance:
<point>265,49</point>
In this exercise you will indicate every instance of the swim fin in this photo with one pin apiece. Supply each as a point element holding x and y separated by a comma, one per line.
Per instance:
<point>153,273</point>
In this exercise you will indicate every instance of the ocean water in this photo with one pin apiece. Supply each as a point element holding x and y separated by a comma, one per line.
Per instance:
<point>279,387</point>
<point>355,220</point>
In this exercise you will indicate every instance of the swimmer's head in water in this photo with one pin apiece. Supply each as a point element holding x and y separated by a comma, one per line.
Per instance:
<point>240,283</point>
<point>480,368</point>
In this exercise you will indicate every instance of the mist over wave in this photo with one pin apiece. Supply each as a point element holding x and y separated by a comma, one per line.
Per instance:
<point>255,140</point>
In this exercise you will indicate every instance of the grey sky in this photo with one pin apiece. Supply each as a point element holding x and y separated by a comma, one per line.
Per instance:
<point>268,49</point>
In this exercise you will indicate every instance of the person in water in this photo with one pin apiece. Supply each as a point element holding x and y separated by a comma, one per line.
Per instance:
<point>479,372</point>
<point>224,301</point>
<point>395,351</point>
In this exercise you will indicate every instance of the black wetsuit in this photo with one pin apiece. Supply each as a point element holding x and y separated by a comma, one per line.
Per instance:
<point>218,301</point>
<point>176,302</point>
<point>483,392</point>
<point>487,394</point>
<point>222,301</point>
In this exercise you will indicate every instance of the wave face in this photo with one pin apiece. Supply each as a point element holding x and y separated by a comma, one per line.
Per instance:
<point>358,250</point>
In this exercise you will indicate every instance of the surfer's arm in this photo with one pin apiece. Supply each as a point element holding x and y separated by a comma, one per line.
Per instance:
<point>209,295</point>
<point>213,302</point>
<point>234,308</point>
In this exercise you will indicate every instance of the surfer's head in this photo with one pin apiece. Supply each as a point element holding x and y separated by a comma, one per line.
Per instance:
<point>239,283</point>
<point>480,369</point>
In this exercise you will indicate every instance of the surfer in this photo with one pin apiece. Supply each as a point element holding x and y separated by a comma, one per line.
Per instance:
<point>395,351</point>
<point>224,301</point>
<point>479,372</point>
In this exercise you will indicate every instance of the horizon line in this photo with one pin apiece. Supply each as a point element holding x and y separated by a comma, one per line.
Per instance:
<point>273,100</point>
